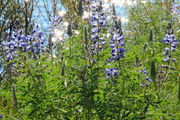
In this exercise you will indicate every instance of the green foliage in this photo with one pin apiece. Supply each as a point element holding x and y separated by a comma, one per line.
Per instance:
<point>72,85</point>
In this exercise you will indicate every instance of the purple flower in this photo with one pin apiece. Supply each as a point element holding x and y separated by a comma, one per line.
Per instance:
<point>144,71</point>
<point>166,59</point>
<point>111,72</point>
<point>55,20</point>
<point>144,85</point>
<point>145,74</point>
<point>9,57</point>
<point>166,51</point>
<point>40,35</point>
<point>171,43</point>
<point>18,41</point>
<point>36,44</point>
<point>173,59</point>
<point>170,39</point>
<point>4,43</point>
<point>97,21</point>
<point>33,32</point>
<point>37,51</point>
<point>29,48</point>
<point>148,79</point>
<point>116,43</point>
<point>23,44</point>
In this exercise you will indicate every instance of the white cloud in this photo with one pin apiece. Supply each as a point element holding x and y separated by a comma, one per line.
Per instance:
<point>61,13</point>
<point>143,1</point>
<point>86,15</point>
<point>27,0</point>
<point>58,35</point>
<point>66,24</point>
<point>124,19</point>
<point>76,32</point>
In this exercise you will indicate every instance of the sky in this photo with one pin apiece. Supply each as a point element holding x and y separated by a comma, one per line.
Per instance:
<point>41,17</point>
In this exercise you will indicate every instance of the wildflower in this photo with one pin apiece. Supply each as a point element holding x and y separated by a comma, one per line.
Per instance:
<point>98,21</point>
<point>171,40</point>
<point>173,59</point>
<point>166,51</point>
<point>18,41</point>
<point>166,59</point>
<point>174,10</point>
<point>145,74</point>
<point>144,85</point>
<point>148,79</point>
<point>144,71</point>
<point>116,43</point>
<point>111,72</point>
<point>55,20</point>
<point>171,43</point>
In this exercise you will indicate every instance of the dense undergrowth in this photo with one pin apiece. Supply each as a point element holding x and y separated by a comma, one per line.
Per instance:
<point>106,72</point>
